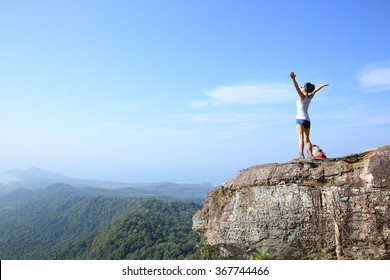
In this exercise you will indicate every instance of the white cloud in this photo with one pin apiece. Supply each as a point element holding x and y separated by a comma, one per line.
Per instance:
<point>198,104</point>
<point>237,117</point>
<point>375,77</point>
<point>237,121</point>
<point>269,98</point>
<point>252,94</point>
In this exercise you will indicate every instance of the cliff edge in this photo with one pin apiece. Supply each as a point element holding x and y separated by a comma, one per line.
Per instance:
<point>336,208</point>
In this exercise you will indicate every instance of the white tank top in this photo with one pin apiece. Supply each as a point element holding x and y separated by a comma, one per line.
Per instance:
<point>302,108</point>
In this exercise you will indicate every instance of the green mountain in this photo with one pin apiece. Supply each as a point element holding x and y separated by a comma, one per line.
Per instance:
<point>64,222</point>
<point>35,178</point>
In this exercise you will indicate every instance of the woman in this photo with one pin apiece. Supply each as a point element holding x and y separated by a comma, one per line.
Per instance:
<point>306,94</point>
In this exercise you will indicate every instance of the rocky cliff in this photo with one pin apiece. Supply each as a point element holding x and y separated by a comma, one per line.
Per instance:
<point>335,208</point>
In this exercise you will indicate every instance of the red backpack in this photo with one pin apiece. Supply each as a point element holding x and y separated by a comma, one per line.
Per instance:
<point>317,152</point>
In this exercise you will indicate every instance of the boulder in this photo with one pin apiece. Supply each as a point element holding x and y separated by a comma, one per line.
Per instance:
<point>335,208</point>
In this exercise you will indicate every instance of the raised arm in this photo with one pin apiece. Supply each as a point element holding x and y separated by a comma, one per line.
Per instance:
<point>318,88</point>
<point>301,95</point>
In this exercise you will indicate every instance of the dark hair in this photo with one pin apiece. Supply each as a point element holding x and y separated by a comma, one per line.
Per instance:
<point>309,87</point>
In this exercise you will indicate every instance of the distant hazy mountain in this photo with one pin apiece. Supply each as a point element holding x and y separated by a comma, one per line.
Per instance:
<point>35,178</point>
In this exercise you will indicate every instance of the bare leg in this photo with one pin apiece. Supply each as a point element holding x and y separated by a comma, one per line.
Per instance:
<point>300,134</point>
<point>307,140</point>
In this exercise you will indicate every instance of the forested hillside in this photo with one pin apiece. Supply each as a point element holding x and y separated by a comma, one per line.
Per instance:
<point>59,222</point>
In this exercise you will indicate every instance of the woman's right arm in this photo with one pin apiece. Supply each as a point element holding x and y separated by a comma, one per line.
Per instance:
<point>301,95</point>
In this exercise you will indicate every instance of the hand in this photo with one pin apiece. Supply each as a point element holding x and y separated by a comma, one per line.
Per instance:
<point>292,75</point>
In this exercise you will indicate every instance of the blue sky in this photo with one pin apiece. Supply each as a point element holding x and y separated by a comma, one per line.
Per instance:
<point>186,91</point>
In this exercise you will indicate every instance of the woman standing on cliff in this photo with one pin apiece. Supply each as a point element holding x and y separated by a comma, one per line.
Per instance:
<point>306,94</point>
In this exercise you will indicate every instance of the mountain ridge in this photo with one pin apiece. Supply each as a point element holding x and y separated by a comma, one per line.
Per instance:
<point>36,178</point>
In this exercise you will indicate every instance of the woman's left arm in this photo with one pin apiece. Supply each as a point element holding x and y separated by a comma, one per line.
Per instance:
<point>317,89</point>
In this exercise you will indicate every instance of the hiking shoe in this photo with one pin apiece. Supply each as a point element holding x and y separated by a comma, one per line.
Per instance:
<point>299,156</point>
<point>310,157</point>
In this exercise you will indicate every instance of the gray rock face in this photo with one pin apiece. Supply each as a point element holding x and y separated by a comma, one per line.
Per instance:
<point>333,208</point>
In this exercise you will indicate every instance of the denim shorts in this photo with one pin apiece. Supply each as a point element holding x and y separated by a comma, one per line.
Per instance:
<point>304,123</point>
